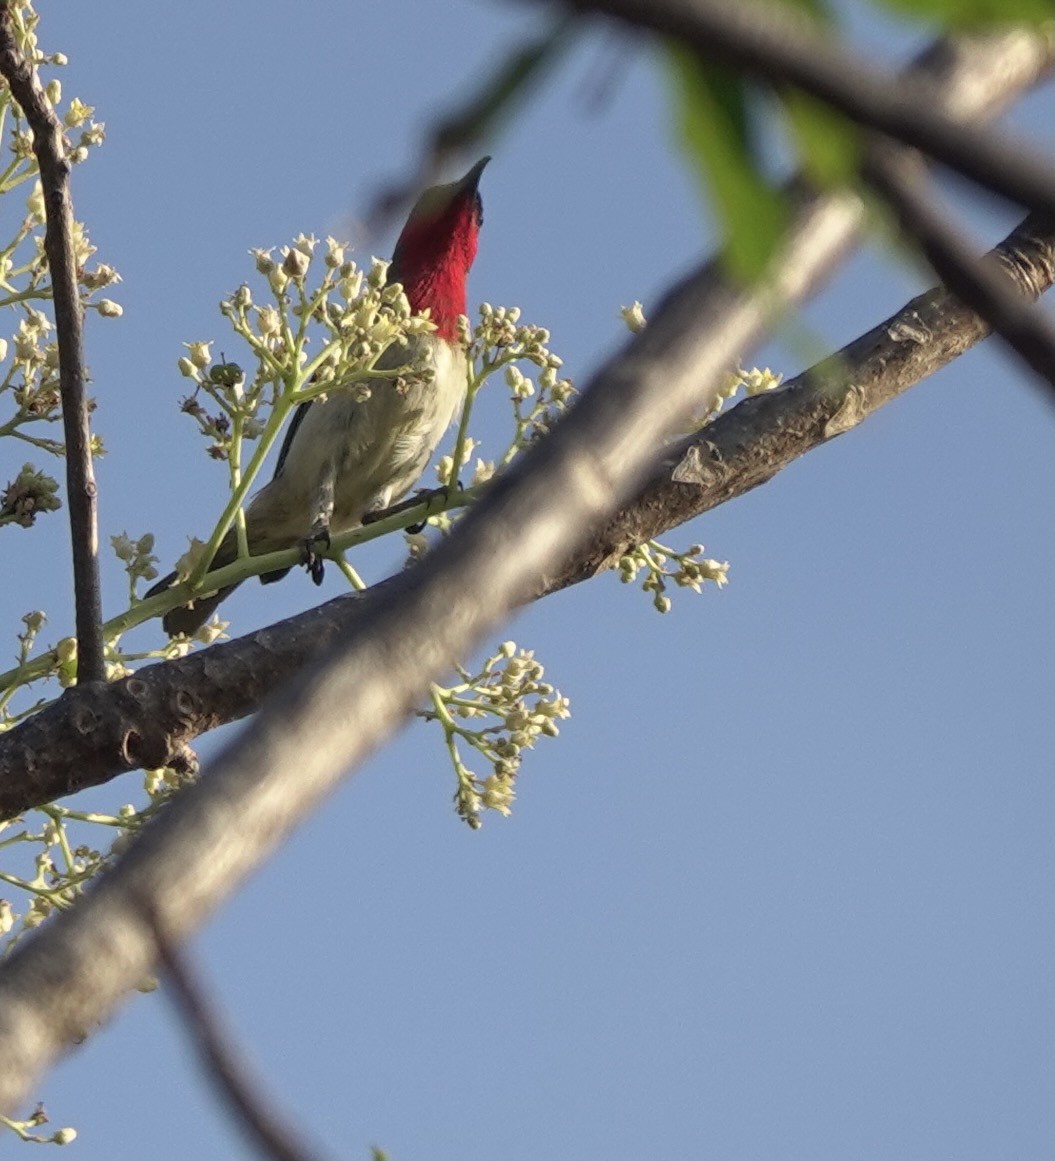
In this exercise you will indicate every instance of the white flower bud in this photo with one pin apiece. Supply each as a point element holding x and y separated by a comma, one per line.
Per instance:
<point>77,113</point>
<point>634,317</point>
<point>264,262</point>
<point>295,264</point>
<point>334,254</point>
<point>199,354</point>
<point>269,321</point>
<point>305,244</point>
<point>109,309</point>
<point>378,275</point>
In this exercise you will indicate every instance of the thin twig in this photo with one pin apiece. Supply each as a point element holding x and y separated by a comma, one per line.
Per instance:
<point>779,45</point>
<point>902,183</point>
<point>254,1112</point>
<point>58,246</point>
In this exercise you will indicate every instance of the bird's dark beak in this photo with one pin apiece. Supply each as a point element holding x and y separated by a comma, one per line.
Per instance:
<point>471,180</point>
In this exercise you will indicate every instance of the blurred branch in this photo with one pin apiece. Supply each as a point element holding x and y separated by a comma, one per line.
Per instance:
<point>75,969</point>
<point>779,45</point>
<point>467,128</point>
<point>219,1059</point>
<point>58,245</point>
<point>899,179</point>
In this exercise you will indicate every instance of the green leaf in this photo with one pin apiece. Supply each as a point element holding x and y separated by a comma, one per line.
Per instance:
<point>829,144</point>
<point>954,14</point>
<point>714,125</point>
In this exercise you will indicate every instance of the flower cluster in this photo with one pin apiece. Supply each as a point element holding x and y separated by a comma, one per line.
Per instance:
<point>662,564</point>
<point>512,708</point>
<point>61,868</point>
<point>29,359</point>
<point>27,495</point>
<point>138,558</point>
<point>749,382</point>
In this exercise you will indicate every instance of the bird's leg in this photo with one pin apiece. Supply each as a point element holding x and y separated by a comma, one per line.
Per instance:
<point>319,536</point>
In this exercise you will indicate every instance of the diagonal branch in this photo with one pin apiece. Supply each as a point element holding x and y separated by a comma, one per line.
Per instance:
<point>750,444</point>
<point>781,46</point>
<point>58,245</point>
<point>902,183</point>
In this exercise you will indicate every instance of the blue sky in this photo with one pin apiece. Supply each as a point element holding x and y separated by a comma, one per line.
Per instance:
<point>783,886</point>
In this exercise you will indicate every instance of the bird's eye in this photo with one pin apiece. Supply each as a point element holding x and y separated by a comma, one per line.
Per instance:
<point>478,210</point>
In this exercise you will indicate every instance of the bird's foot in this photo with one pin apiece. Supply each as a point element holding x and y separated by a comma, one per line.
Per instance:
<point>427,495</point>
<point>314,561</point>
<point>421,496</point>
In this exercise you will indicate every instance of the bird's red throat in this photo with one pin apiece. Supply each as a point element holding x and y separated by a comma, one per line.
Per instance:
<point>439,288</point>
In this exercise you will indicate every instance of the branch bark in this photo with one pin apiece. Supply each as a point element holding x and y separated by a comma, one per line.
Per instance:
<point>899,179</point>
<point>780,46</point>
<point>81,489</point>
<point>75,969</point>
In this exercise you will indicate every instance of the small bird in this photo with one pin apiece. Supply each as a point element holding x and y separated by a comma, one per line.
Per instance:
<point>341,458</point>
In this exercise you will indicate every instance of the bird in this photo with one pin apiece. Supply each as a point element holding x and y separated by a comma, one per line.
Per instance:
<point>344,458</point>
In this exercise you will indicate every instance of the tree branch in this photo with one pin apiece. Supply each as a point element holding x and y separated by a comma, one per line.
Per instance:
<point>74,970</point>
<point>780,46</point>
<point>92,734</point>
<point>750,444</point>
<point>255,1115</point>
<point>899,179</point>
<point>58,245</point>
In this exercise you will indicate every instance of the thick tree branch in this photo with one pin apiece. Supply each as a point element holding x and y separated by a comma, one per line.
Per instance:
<point>62,263</point>
<point>899,179</point>
<point>92,734</point>
<point>75,969</point>
<point>780,46</point>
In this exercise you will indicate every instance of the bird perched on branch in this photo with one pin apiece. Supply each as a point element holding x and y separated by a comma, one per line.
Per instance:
<point>343,458</point>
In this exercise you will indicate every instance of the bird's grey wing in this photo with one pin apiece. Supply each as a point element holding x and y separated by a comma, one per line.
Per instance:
<point>291,434</point>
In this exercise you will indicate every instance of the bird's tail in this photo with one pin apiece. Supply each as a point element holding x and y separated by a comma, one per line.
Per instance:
<point>188,619</point>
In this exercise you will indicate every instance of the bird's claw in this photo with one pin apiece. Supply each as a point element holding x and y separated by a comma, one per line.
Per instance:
<point>315,562</point>
<point>427,495</point>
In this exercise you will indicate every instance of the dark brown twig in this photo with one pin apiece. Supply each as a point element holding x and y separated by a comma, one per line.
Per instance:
<point>58,245</point>
<point>255,1113</point>
<point>897,177</point>
<point>780,46</point>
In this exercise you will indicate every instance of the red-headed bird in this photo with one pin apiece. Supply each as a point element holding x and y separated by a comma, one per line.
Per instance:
<point>343,458</point>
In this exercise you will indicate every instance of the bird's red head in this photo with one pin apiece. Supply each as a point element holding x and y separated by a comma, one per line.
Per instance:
<point>437,247</point>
